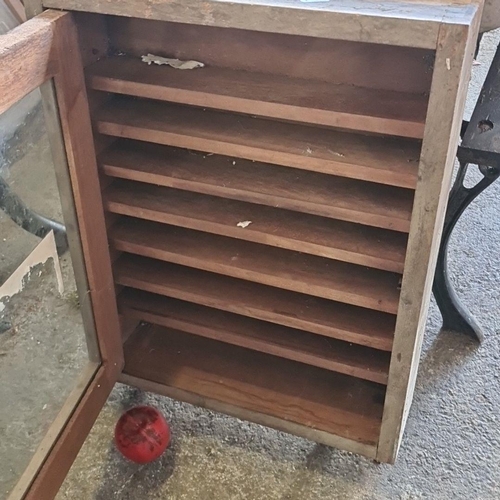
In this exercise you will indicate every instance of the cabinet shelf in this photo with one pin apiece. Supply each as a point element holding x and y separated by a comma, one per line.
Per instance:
<point>378,159</point>
<point>329,238</point>
<point>297,272</point>
<point>295,310</point>
<point>288,343</point>
<point>266,95</point>
<point>308,192</point>
<point>306,395</point>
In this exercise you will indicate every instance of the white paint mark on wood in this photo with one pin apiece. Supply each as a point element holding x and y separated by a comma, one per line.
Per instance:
<point>244,223</point>
<point>174,63</point>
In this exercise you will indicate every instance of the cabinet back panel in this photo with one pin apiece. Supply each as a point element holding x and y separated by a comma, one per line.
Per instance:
<point>362,64</point>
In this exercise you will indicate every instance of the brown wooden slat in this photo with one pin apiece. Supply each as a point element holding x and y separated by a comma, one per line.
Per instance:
<point>378,159</point>
<point>319,194</point>
<point>81,164</point>
<point>334,280</point>
<point>268,95</point>
<point>27,57</point>
<point>335,61</point>
<point>320,399</point>
<point>281,228</point>
<point>312,314</point>
<point>289,343</point>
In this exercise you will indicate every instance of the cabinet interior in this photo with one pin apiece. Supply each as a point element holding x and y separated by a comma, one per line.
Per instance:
<point>258,211</point>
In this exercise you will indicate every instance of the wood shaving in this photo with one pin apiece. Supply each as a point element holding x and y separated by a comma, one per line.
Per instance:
<point>174,63</point>
<point>244,223</point>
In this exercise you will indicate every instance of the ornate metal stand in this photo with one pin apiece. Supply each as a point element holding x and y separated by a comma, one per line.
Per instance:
<point>480,146</point>
<point>456,317</point>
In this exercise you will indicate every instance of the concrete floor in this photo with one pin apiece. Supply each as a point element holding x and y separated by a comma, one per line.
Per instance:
<point>451,447</point>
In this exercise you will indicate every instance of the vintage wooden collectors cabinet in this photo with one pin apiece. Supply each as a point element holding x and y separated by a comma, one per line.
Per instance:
<point>257,236</point>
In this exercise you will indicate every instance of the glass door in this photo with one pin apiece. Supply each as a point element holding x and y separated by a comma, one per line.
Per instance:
<point>55,294</point>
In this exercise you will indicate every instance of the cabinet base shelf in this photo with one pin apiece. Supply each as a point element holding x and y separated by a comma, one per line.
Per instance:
<point>318,404</point>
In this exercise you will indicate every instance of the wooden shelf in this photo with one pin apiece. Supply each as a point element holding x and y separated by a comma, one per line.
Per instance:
<point>289,343</point>
<point>382,160</point>
<point>295,310</point>
<point>268,95</point>
<point>310,396</point>
<point>309,192</point>
<point>281,228</point>
<point>297,272</point>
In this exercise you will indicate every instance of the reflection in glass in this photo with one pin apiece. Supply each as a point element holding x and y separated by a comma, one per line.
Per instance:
<point>42,340</point>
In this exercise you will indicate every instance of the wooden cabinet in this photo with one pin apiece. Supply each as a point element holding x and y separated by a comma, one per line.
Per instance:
<point>258,235</point>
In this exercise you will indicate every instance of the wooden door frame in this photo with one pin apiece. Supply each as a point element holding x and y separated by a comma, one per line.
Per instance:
<point>452,69</point>
<point>44,52</point>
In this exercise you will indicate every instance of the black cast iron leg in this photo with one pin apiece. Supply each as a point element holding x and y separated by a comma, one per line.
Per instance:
<point>455,316</point>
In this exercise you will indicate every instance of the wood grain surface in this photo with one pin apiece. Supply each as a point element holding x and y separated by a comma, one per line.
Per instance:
<point>317,398</point>
<point>27,57</point>
<point>295,310</point>
<point>274,96</point>
<point>302,191</point>
<point>377,159</point>
<point>330,238</point>
<point>289,343</point>
<point>298,272</point>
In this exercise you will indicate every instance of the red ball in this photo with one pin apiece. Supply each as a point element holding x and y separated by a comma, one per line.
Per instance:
<point>142,434</point>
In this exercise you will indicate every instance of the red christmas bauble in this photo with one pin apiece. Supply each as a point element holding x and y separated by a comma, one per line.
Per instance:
<point>142,434</point>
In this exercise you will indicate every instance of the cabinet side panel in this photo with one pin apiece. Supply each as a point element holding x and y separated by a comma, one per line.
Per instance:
<point>80,151</point>
<point>450,79</point>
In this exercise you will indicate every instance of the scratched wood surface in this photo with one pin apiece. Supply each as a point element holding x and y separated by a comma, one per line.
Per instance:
<point>408,23</point>
<point>320,399</point>
<point>451,77</point>
<point>292,230</point>
<point>23,69</point>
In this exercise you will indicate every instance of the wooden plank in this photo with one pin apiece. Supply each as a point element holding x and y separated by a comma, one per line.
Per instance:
<point>81,157</point>
<point>295,310</point>
<point>377,159</point>
<point>334,61</point>
<point>27,57</point>
<point>281,228</point>
<point>307,395</point>
<point>274,96</point>
<point>245,180</point>
<point>72,436</point>
<point>252,416</point>
<point>277,340</point>
<point>292,271</point>
<point>406,23</point>
<point>451,75</point>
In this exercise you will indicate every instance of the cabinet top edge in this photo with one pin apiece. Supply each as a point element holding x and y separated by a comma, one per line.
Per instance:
<point>409,23</point>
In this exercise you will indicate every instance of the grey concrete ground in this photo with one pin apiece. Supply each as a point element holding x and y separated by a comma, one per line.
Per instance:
<point>451,448</point>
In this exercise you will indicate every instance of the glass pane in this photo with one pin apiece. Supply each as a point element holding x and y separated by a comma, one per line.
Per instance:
<point>42,339</point>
